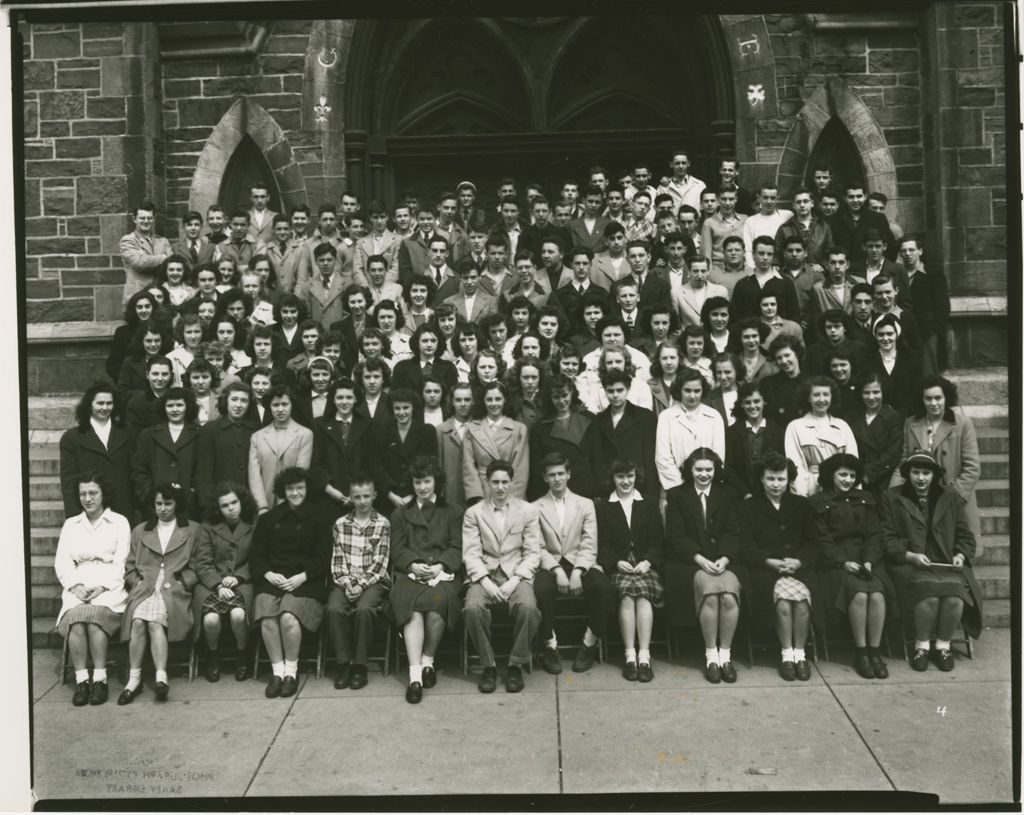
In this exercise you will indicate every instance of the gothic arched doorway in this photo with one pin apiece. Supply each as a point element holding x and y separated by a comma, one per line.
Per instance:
<point>537,99</point>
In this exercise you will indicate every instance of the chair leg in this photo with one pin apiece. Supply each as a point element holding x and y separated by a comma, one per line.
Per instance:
<point>824,645</point>
<point>256,655</point>
<point>465,651</point>
<point>193,661</point>
<point>321,636</point>
<point>814,644</point>
<point>65,656</point>
<point>387,648</point>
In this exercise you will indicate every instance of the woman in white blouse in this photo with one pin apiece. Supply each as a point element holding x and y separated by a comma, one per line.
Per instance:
<point>91,552</point>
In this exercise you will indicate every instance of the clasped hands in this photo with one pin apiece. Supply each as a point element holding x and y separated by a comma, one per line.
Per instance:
<point>712,566</point>
<point>499,594</point>
<point>86,593</point>
<point>285,583</point>
<point>785,566</point>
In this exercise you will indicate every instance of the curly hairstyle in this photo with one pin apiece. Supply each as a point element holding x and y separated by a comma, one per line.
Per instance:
<point>488,354</point>
<point>557,383</point>
<point>341,383</point>
<point>647,314</point>
<point>469,329</point>
<point>136,349</point>
<point>711,304</point>
<point>949,390</point>
<point>200,365</point>
<point>417,335</point>
<point>270,284</point>
<point>233,387</point>
<point>390,305</point>
<point>744,390</point>
<point>291,301</point>
<point>656,370</point>
<point>602,367</point>
<point>177,493</point>
<point>774,462</point>
<point>376,333</point>
<point>683,377</point>
<point>821,382</point>
<point>371,365</point>
<point>181,394</point>
<point>545,346</point>
<point>829,467</point>
<point>186,320</point>
<point>83,410</point>
<point>131,317</point>
<point>418,280</point>
<point>239,340</point>
<point>480,408</point>
<point>213,515</point>
<point>515,388</point>
<point>288,476</point>
<point>429,467</point>
<point>160,278</point>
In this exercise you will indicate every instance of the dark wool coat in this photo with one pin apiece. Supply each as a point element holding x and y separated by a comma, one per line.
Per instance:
<point>289,541</point>
<point>222,454</point>
<point>633,439</point>
<point>573,442</point>
<point>222,552</point>
<point>81,453</point>
<point>644,538</point>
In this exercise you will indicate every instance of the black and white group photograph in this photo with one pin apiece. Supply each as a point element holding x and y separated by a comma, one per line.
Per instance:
<point>423,408</point>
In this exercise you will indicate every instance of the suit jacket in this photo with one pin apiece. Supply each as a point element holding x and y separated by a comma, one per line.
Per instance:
<point>633,439</point>
<point>655,290</point>
<point>573,441</point>
<point>141,569</point>
<point>141,256</point>
<point>739,460</point>
<point>643,537</point>
<point>603,274</point>
<point>335,463</point>
<point>204,250</point>
<point>409,374</point>
<point>288,349</point>
<point>687,531</point>
<point>143,411</point>
<point>449,454</point>
<point>929,293</point>
<point>482,445</point>
<point>270,452</point>
<point>325,305</point>
<point>576,541</point>
<point>308,269</point>
<point>158,459</point>
<point>265,232</point>
<point>821,299</point>
<point>746,297</point>
<point>515,549</point>
<point>818,239</point>
<point>82,453</point>
<point>572,302</point>
<point>688,307</point>
<point>483,304</point>
<point>414,256</point>
<point>852,235</point>
<point>222,454</point>
<point>449,287</point>
<point>287,262</point>
<point>364,249</point>
<point>594,239</point>
<point>241,253</point>
<point>893,271</point>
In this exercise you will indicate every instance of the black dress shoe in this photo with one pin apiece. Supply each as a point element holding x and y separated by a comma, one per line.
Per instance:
<point>728,672</point>
<point>943,659</point>
<point>514,679</point>
<point>862,665</point>
<point>713,673</point>
<point>878,666</point>
<point>787,670</point>
<point>550,661</point>
<point>211,672</point>
<point>274,687</point>
<point>99,693</point>
<point>162,690</point>
<point>81,695</point>
<point>414,693</point>
<point>919,661</point>
<point>629,672</point>
<point>358,677</point>
<point>488,680</point>
<point>344,677</point>
<point>429,677</point>
<point>584,659</point>
<point>128,696</point>
<point>289,685</point>
<point>803,670</point>
<point>242,671</point>
<point>644,672</point>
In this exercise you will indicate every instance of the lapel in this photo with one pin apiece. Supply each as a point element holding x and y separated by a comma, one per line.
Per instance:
<point>546,506</point>
<point>919,428</point>
<point>241,530</point>
<point>941,432</point>
<point>289,438</point>
<point>90,441</point>
<point>659,394</point>
<point>627,421</point>
<point>483,435</point>
<point>151,540</point>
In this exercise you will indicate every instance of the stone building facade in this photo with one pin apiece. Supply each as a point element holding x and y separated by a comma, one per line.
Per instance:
<point>186,114</point>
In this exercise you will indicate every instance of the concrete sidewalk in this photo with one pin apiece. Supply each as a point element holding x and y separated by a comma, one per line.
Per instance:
<point>947,734</point>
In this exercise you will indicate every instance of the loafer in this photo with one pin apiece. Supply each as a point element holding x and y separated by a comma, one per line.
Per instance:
<point>211,671</point>
<point>357,678</point>
<point>414,693</point>
<point>344,677</point>
<point>919,661</point>
<point>162,689</point>
<point>629,671</point>
<point>862,665</point>
<point>728,672</point>
<point>550,661</point>
<point>289,685</point>
<point>488,680</point>
<point>80,698</point>
<point>713,673</point>
<point>644,672</point>
<point>584,659</point>
<point>242,671</point>
<point>99,693</point>
<point>803,670</point>
<point>943,659</point>
<point>273,687</point>
<point>429,677</point>
<point>514,679</point>
<point>128,696</point>
<point>878,667</point>
<point>787,670</point>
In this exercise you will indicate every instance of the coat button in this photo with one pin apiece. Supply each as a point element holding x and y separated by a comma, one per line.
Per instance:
<point>161,565</point>
<point>167,585</point>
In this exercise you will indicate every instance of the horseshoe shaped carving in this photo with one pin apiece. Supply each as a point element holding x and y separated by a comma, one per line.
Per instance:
<point>325,51</point>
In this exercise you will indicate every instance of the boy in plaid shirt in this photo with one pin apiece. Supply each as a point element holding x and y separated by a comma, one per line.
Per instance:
<point>359,571</point>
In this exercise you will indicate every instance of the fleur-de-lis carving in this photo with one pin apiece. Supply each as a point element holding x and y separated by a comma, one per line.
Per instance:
<point>321,111</point>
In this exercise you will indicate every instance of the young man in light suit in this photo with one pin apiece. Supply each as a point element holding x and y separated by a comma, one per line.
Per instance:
<point>690,297</point>
<point>450,434</point>
<point>471,302</point>
<point>261,217</point>
<point>568,564</point>
<point>380,241</point>
<point>501,552</point>
<point>323,293</point>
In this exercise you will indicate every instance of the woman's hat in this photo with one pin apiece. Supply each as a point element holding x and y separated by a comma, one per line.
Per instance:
<point>920,460</point>
<point>888,319</point>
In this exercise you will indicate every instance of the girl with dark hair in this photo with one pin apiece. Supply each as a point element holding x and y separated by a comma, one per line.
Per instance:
<point>231,334</point>
<point>750,438</point>
<point>658,325</point>
<point>311,394</point>
<point>374,345</point>
<point>664,369</point>
<point>817,434</point>
<point>561,428</point>
<point>466,345</point>
<point>525,382</point>
<point>188,334</point>
<point>897,365</point>
<point>289,560</point>
<point>260,382</point>
<point>175,278</point>
<point>780,540</point>
<point>426,553</point>
<point>221,564</point>
<point>289,313</point>
<point>391,322</point>
<point>726,367</point>
<point>401,438</point>
<point>686,426</point>
<point>528,344</point>
<point>494,435</point>
<point>435,402</point>
<point>202,381</point>
<point>691,343</point>
<point>714,319</point>
<point>263,347</point>
<point>222,452</point>
<point>98,443</point>
<point>159,579</point>
<point>878,429</point>
<point>140,308</point>
<point>426,360</point>
<point>149,340</point>
<point>416,294</point>
<point>166,452</point>
<point>373,379</point>
<point>703,563</point>
<point>751,333</point>
<point>89,562</point>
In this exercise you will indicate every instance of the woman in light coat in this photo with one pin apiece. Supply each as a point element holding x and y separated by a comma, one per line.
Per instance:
<point>283,443</point>
<point>686,426</point>
<point>495,436</point>
<point>818,434</point>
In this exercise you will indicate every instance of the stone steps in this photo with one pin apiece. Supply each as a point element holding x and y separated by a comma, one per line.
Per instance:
<point>994,582</point>
<point>995,551</point>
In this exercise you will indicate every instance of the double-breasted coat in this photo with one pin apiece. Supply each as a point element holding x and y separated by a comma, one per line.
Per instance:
<point>83,452</point>
<point>145,560</point>
<point>632,439</point>
<point>289,541</point>
<point>222,454</point>
<point>643,537</point>
<point>272,450</point>
<point>508,440</point>
<point>222,552</point>
<point>879,444</point>
<point>158,458</point>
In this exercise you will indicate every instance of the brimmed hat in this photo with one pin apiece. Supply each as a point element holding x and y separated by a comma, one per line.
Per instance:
<point>920,459</point>
<point>463,184</point>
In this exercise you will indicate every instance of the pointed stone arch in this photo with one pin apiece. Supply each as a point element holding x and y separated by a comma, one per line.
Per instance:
<point>836,99</point>
<point>246,117</point>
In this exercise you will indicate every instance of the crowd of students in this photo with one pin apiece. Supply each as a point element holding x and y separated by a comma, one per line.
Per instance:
<point>672,406</point>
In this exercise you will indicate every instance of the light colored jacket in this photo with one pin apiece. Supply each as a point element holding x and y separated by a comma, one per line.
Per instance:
<point>482,445</point>
<point>141,256</point>
<point>576,541</point>
<point>679,434</point>
<point>93,556</point>
<point>809,441</point>
<point>516,549</point>
<point>271,451</point>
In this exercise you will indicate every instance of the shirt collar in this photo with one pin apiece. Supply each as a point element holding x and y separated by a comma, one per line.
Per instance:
<point>106,515</point>
<point>614,497</point>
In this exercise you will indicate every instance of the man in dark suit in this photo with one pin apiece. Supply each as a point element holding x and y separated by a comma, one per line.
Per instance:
<point>414,252</point>
<point>193,245</point>
<point>580,289</point>
<point>851,224</point>
<point>652,287</point>
<point>588,230</point>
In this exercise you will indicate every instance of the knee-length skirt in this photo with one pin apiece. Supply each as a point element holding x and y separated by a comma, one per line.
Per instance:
<point>409,595</point>
<point>924,583</point>
<point>705,584</point>
<point>153,609</point>
<point>105,618</point>
<point>307,610</point>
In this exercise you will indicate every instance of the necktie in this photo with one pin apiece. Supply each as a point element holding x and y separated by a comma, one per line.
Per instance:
<point>704,506</point>
<point>437,277</point>
<point>579,289</point>
<point>499,521</point>
<point>326,282</point>
<point>428,369</point>
<point>193,253</point>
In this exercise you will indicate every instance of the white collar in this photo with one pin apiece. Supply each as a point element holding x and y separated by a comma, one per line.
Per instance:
<point>82,518</point>
<point>614,497</point>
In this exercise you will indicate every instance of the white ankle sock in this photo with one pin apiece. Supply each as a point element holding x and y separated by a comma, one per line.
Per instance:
<point>922,645</point>
<point>799,655</point>
<point>630,655</point>
<point>161,676</point>
<point>644,656</point>
<point>81,676</point>
<point>589,639</point>
<point>552,643</point>
<point>134,678</point>
<point>277,668</point>
<point>942,645</point>
<point>291,668</point>
<point>99,674</point>
<point>427,662</point>
<point>724,655</point>
<point>711,656</point>
<point>415,674</point>
<point>787,655</point>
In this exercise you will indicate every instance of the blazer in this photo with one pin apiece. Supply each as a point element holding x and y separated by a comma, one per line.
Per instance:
<point>141,256</point>
<point>483,304</point>
<point>364,249</point>
<point>879,444</point>
<point>157,459</point>
<point>688,533</point>
<point>643,537</point>
<point>655,290</point>
<point>265,232</point>
<point>449,455</point>
<point>222,454</point>
<point>739,459</point>
<point>676,438</point>
<point>141,569</point>
<point>593,239</point>
<point>904,529</point>
<point>409,373</point>
<point>325,305</point>
<point>572,302</point>
<point>242,252</point>
<point>289,541</point>
<point>414,255</point>
<point>335,463</point>
<point>204,252</point>
<point>81,453</point>
<point>688,307</point>
<point>929,293</point>
<point>288,349</point>
<point>746,297</point>
<point>398,455</point>
<point>659,394</point>
<point>286,262</point>
<point>851,235</point>
<point>221,552</point>
<point>573,441</point>
<point>603,274</point>
<point>416,539</point>
<point>270,452</point>
<point>482,445</point>
<point>633,439</point>
<point>576,541</point>
<point>516,549</point>
<point>821,299</point>
<point>307,268</point>
<point>818,239</point>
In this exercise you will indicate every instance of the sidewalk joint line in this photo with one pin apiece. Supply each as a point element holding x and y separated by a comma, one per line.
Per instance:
<point>558,730</point>
<point>277,732</point>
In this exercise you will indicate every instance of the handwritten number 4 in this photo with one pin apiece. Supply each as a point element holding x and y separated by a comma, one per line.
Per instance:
<point>941,710</point>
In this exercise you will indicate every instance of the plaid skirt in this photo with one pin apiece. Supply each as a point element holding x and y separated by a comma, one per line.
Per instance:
<point>789,588</point>
<point>153,609</point>
<point>646,586</point>
<point>213,604</point>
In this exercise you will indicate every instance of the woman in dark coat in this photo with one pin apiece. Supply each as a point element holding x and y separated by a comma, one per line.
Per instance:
<point>83,451</point>
<point>289,560</point>
<point>744,448</point>
<point>780,541</point>
<point>878,429</point>
<point>159,578</point>
<point>222,451</point>
<point>851,567</point>
<point>632,438</point>
<point>221,564</point>
<point>151,339</point>
<point>631,549</point>
<point>400,439</point>
<point>928,540</point>
<point>563,428</point>
<point>426,546</point>
<point>703,570</point>
<point>897,365</point>
<point>167,451</point>
<point>139,309</point>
